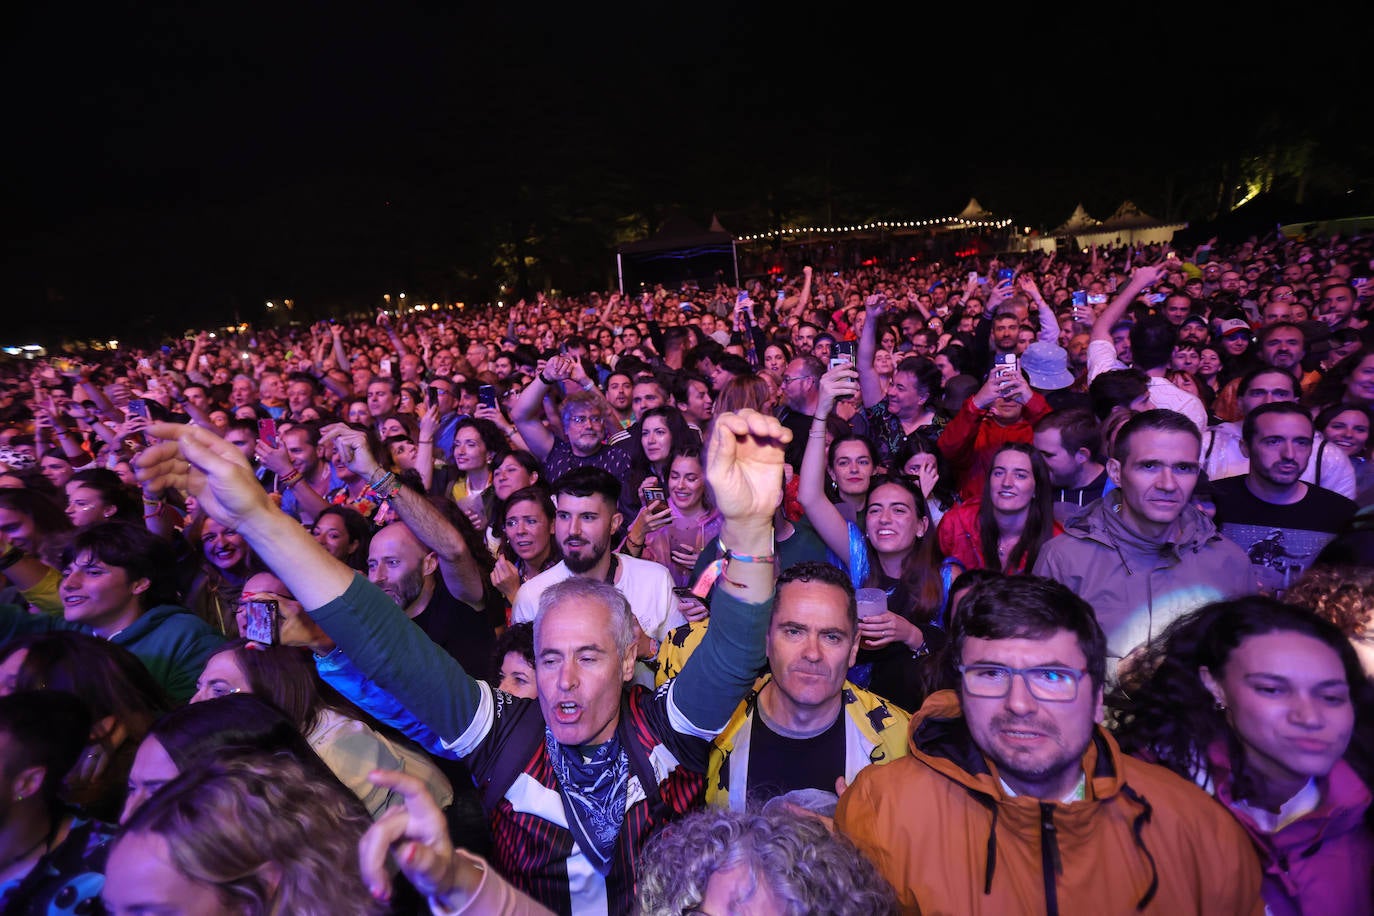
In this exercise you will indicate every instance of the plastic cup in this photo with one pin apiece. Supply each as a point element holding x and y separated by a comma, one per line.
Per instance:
<point>871,601</point>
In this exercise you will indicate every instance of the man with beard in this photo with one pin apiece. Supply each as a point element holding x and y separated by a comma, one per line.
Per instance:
<point>1281,521</point>
<point>584,424</point>
<point>1025,800</point>
<point>424,564</point>
<point>583,524</point>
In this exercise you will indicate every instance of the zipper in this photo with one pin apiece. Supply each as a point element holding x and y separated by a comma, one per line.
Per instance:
<point>1049,857</point>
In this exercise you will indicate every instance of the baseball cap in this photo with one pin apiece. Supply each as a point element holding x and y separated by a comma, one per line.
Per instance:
<point>1232,325</point>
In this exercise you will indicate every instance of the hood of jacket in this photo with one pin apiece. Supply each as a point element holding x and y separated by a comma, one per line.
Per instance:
<point>1102,523</point>
<point>939,737</point>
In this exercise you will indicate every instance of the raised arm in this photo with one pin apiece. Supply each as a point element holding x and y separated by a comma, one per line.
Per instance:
<point>744,466</point>
<point>820,511</point>
<point>869,383</point>
<point>364,623</point>
<point>527,408</point>
<point>456,563</point>
<point>1141,278</point>
<point>1049,322</point>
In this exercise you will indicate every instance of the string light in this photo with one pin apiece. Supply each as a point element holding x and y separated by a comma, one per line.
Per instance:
<point>951,221</point>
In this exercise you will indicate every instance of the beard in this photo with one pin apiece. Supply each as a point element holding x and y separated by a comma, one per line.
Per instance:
<point>407,588</point>
<point>582,557</point>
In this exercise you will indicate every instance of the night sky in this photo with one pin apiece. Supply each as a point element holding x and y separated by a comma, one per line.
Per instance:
<point>168,169</point>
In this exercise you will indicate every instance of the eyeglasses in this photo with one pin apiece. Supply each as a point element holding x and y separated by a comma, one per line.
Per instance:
<point>797,378</point>
<point>1051,684</point>
<point>586,420</point>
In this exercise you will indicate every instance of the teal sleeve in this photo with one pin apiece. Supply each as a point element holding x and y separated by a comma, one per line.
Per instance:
<point>724,667</point>
<point>388,649</point>
<point>17,621</point>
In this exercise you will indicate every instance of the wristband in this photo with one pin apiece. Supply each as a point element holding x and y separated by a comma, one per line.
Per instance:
<point>547,381</point>
<point>291,479</point>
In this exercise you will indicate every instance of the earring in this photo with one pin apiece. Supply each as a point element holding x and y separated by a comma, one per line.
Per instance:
<point>1218,706</point>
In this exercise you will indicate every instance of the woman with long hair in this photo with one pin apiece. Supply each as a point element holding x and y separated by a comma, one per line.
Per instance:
<point>1347,427</point>
<point>695,520</point>
<point>345,534</point>
<point>351,746</point>
<point>467,482</point>
<point>201,733</point>
<point>524,524</point>
<point>851,462</point>
<point>1351,381</point>
<point>892,548</point>
<point>223,562</point>
<point>1265,705</point>
<point>249,836</point>
<point>1005,528</point>
<point>98,495</point>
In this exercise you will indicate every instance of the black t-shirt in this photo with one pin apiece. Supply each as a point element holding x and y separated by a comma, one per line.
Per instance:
<point>1282,540</point>
<point>779,764</point>
<point>466,634</point>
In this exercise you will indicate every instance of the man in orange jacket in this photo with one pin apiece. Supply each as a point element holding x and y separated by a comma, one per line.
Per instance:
<point>1015,799</point>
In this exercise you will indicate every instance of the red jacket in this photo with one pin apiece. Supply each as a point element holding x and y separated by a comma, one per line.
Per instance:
<point>970,440</point>
<point>960,536</point>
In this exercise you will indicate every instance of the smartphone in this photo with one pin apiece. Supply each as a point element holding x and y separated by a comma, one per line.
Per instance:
<point>486,395</point>
<point>433,397</point>
<point>386,366</point>
<point>843,354</point>
<point>1005,365</point>
<point>1004,274</point>
<point>1096,298</point>
<point>1080,298</point>
<point>973,276</point>
<point>649,495</point>
<point>267,432</point>
<point>145,363</point>
<point>204,362</point>
<point>260,623</point>
<point>1156,298</point>
<point>138,407</point>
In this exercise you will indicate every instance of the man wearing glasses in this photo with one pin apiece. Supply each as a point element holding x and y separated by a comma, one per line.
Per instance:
<point>1015,799</point>
<point>584,423</point>
<point>800,391</point>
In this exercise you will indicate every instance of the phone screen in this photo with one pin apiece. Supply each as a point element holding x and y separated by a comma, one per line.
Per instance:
<point>267,432</point>
<point>486,395</point>
<point>260,623</point>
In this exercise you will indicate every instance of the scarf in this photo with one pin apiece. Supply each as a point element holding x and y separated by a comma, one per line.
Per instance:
<point>593,793</point>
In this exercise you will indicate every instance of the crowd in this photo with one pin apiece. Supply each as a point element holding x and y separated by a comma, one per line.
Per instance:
<point>1035,583</point>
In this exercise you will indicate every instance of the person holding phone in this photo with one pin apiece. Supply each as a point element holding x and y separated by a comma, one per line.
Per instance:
<point>695,522</point>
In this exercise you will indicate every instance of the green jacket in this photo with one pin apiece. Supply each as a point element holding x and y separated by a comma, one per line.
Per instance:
<point>171,642</point>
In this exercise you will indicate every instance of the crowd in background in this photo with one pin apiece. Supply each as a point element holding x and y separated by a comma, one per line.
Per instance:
<point>950,427</point>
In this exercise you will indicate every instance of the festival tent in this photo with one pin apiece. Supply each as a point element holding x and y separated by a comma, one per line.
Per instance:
<point>678,253</point>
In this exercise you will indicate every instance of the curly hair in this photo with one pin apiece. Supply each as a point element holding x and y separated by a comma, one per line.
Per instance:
<point>808,869</point>
<point>264,835</point>
<point>1343,595</point>
<point>1161,709</point>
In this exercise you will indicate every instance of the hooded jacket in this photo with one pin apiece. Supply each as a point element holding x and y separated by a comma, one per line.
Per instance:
<point>944,832</point>
<point>1321,862</point>
<point>1137,585</point>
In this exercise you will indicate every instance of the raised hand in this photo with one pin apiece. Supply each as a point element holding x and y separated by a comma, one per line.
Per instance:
<point>212,470</point>
<point>744,461</point>
<point>416,836</point>
<point>351,447</point>
<point>837,383</point>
